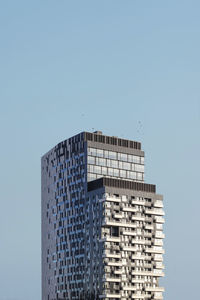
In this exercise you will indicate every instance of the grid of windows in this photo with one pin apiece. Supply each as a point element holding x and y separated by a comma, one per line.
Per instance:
<point>114,164</point>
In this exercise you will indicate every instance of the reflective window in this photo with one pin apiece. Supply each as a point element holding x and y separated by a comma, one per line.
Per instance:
<point>99,153</point>
<point>139,176</point>
<point>106,154</point>
<point>104,171</point>
<point>122,173</point>
<point>101,161</point>
<point>132,175</point>
<point>97,169</point>
<point>112,155</point>
<point>122,156</point>
<point>116,172</point>
<point>92,151</point>
<point>91,176</point>
<point>130,158</point>
<point>120,164</point>
<point>139,168</point>
<point>114,163</point>
<point>90,168</point>
<point>136,159</point>
<point>126,166</point>
<point>108,163</point>
<point>91,160</point>
<point>110,171</point>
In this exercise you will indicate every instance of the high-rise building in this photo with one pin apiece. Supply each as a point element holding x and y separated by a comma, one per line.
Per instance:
<point>102,226</point>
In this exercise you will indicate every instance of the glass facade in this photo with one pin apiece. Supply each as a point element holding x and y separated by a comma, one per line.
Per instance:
<point>114,164</point>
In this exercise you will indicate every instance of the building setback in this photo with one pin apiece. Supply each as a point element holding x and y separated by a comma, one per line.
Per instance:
<point>102,226</point>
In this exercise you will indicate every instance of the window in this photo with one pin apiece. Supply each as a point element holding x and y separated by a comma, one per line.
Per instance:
<point>99,153</point>
<point>116,172</point>
<point>101,161</point>
<point>90,168</point>
<point>112,155</point>
<point>110,171</point>
<point>108,162</point>
<point>136,159</point>
<point>104,171</point>
<point>126,166</point>
<point>122,173</point>
<point>139,168</point>
<point>92,151</point>
<point>132,175</point>
<point>120,165</point>
<point>124,157</point>
<point>114,163</point>
<point>91,176</point>
<point>91,160</point>
<point>139,176</point>
<point>106,154</point>
<point>114,231</point>
<point>130,158</point>
<point>97,169</point>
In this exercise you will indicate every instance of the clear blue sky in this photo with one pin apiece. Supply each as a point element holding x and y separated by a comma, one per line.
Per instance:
<point>128,68</point>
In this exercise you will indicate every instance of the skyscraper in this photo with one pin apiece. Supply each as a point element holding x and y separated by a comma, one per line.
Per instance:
<point>102,226</point>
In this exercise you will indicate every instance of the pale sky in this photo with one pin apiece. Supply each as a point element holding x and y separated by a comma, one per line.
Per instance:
<point>129,68</point>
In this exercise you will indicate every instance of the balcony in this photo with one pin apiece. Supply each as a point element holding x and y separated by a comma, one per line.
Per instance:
<point>110,296</point>
<point>108,254</point>
<point>130,209</point>
<point>159,265</point>
<point>138,280</point>
<point>158,295</point>
<point>138,296</point>
<point>154,289</point>
<point>154,273</point>
<point>155,250</point>
<point>118,272</point>
<point>132,233</point>
<point>158,257</point>
<point>155,211</point>
<point>159,220</point>
<point>159,234</point>
<point>116,264</point>
<point>111,279</point>
<point>148,234</point>
<point>147,266</point>
<point>138,202</point>
<point>158,242</point>
<point>138,257</point>
<point>118,216</point>
<point>113,199</point>
<point>129,288</point>
<point>149,227</point>
<point>138,218</point>
<point>138,241</point>
<point>158,203</point>
<point>128,248</point>
<point>111,239</point>
<point>108,222</point>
